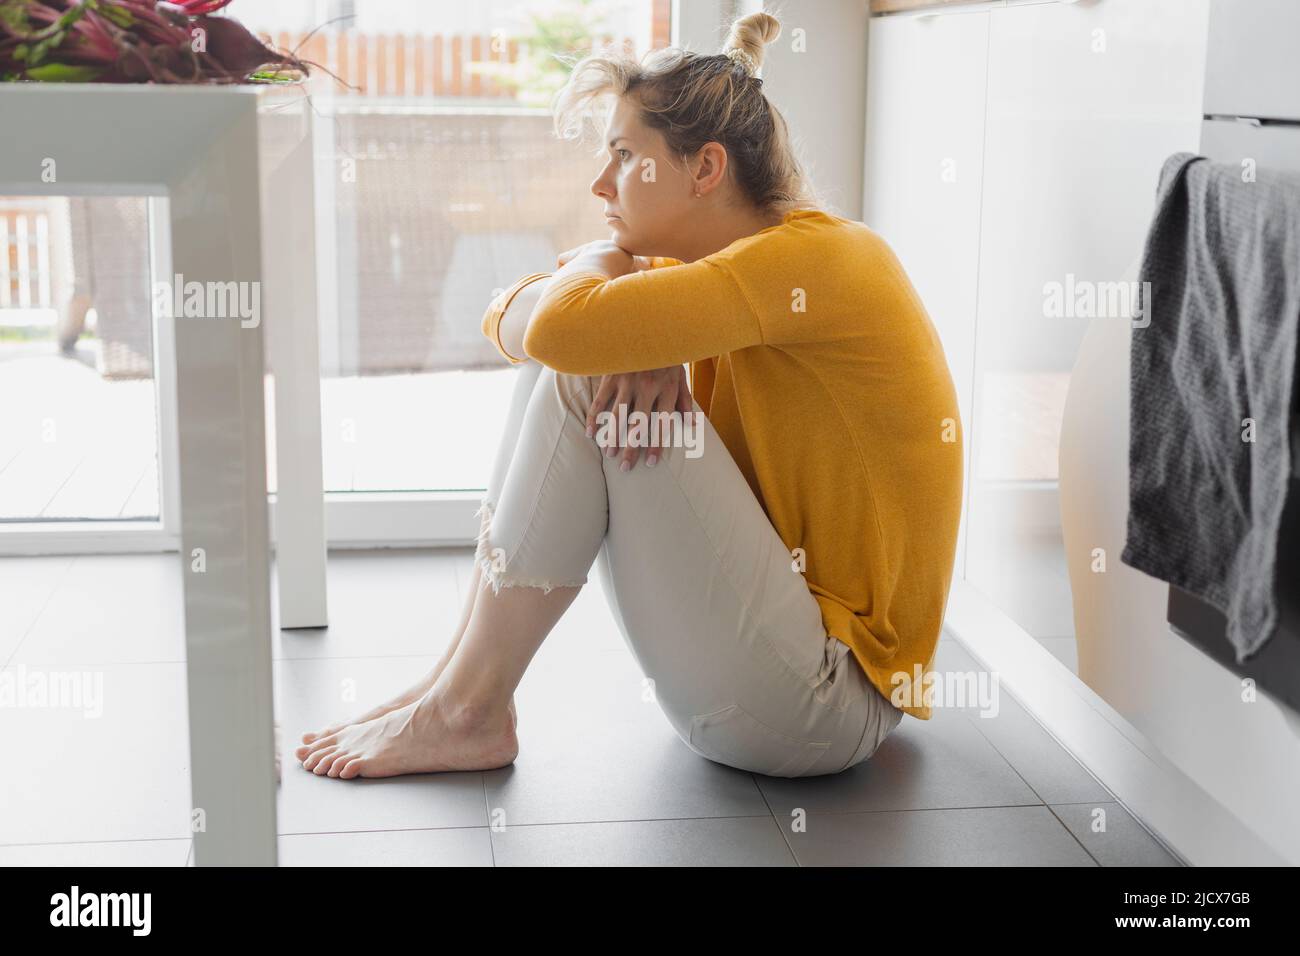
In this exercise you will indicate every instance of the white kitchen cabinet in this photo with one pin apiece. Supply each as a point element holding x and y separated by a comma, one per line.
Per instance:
<point>924,146</point>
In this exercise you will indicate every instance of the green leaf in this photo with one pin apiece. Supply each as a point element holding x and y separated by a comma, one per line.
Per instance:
<point>45,46</point>
<point>121,16</point>
<point>64,73</point>
<point>284,77</point>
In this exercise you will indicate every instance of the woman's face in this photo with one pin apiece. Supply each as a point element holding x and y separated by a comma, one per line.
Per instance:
<point>646,192</point>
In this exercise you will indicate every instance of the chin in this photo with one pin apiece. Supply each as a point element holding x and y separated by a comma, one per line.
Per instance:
<point>625,238</point>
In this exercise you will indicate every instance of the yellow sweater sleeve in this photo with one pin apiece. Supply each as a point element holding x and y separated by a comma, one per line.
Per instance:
<point>589,324</point>
<point>496,311</point>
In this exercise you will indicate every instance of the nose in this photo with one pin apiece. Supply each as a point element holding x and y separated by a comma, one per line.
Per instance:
<point>602,185</point>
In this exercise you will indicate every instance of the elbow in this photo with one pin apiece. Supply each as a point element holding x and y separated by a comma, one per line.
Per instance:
<point>547,347</point>
<point>537,344</point>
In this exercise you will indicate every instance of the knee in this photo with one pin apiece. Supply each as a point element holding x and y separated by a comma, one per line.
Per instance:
<point>574,392</point>
<point>568,384</point>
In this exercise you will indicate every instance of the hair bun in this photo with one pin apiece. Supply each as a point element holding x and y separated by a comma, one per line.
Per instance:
<point>737,55</point>
<point>747,38</point>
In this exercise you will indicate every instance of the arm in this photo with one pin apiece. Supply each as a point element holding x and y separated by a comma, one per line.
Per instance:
<point>597,316</point>
<point>506,329</point>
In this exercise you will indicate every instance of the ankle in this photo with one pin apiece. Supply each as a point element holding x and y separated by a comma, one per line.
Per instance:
<point>473,714</point>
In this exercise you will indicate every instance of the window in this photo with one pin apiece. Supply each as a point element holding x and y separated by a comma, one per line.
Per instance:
<point>439,180</point>
<point>79,433</point>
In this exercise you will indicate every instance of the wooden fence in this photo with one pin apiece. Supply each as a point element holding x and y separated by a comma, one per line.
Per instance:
<point>25,281</point>
<point>404,65</point>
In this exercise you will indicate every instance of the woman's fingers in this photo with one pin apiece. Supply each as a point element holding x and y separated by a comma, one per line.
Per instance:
<point>618,400</point>
<point>568,254</point>
<point>654,440</point>
<point>599,402</point>
<point>625,395</point>
<point>650,388</point>
<point>632,451</point>
<point>683,403</point>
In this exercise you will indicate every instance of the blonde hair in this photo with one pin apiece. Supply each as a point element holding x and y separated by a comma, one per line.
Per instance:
<point>693,99</point>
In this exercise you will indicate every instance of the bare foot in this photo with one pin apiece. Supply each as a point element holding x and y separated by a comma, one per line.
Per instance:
<point>408,696</point>
<point>420,737</point>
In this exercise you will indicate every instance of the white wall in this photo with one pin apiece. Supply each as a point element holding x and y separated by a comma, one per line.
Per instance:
<point>816,75</point>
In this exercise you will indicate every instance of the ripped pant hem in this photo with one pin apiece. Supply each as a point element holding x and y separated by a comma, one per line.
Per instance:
<point>489,562</point>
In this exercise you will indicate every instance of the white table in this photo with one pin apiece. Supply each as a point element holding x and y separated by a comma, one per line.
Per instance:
<point>198,147</point>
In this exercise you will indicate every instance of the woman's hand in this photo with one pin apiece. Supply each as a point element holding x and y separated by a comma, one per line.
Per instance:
<point>651,391</point>
<point>604,255</point>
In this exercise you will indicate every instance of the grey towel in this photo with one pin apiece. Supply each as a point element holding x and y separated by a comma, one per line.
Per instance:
<point>1223,261</point>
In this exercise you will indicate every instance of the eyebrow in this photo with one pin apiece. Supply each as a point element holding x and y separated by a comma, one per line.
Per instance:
<point>616,139</point>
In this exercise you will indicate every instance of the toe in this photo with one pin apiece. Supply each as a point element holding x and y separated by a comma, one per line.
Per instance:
<point>316,756</point>
<point>306,750</point>
<point>351,769</point>
<point>326,760</point>
<point>336,764</point>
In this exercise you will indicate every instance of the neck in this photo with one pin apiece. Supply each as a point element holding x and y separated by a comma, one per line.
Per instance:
<point>719,228</point>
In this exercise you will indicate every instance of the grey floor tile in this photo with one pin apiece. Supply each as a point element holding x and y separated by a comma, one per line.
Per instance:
<point>594,746</point>
<point>115,608</point>
<point>943,762</point>
<point>602,778</point>
<point>113,766</point>
<point>962,684</point>
<point>26,586</point>
<point>1053,773</point>
<point>1048,768</point>
<point>381,603</point>
<point>980,836</point>
<point>468,846</point>
<point>309,696</point>
<point>131,853</point>
<point>1112,835</point>
<point>732,841</point>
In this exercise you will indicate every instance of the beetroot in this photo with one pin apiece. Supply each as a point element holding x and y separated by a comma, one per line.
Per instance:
<point>134,41</point>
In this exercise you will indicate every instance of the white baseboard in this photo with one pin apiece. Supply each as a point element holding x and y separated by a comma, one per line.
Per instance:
<point>1177,811</point>
<point>352,520</point>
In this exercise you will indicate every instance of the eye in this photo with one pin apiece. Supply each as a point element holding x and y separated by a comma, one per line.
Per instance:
<point>620,151</point>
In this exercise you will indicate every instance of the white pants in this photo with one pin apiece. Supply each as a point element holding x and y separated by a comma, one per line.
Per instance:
<point>707,596</point>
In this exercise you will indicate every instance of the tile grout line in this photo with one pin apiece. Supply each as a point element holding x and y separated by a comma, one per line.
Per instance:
<point>44,604</point>
<point>556,823</point>
<point>789,847</point>
<point>1091,855</point>
<point>6,846</point>
<point>1034,791</point>
<point>1082,766</point>
<point>487,808</point>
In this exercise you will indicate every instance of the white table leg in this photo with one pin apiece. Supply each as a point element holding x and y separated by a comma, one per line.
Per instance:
<point>199,147</point>
<point>225,542</point>
<point>289,255</point>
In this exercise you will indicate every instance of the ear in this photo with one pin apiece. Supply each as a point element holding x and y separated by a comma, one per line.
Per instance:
<point>712,160</point>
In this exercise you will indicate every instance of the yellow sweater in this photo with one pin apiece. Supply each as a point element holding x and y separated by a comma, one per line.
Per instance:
<point>815,361</point>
